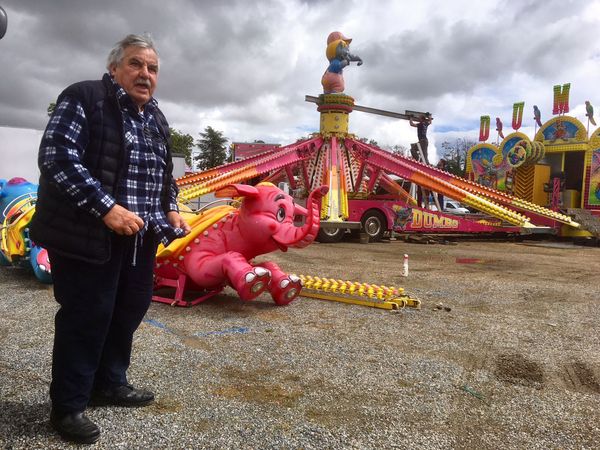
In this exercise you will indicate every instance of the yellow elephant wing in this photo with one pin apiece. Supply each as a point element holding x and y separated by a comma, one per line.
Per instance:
<point>198,223</point>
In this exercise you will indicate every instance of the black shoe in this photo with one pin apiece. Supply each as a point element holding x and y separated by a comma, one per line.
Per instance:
<point>75,427</point>
<point>125,395</point>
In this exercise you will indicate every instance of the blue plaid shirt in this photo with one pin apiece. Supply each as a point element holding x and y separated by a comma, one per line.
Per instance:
<point>60,159</point>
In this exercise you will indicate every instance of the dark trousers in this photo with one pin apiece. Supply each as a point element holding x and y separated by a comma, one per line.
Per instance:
<point>422,194</point>
<point>101,305</point>
<point>414,150</point>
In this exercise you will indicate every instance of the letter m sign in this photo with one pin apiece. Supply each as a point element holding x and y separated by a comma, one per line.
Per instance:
<point>561,99</point>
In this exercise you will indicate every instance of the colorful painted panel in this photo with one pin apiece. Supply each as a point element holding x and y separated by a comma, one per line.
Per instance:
<point>594,191</point>
<point>510,141</point>
<point>560,129</point>
<point>484,159</point>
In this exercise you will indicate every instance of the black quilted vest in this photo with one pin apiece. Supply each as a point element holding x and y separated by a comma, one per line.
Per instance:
<point>63,227</point>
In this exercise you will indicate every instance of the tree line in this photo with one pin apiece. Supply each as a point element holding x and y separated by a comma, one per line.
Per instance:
<point>212,145</point>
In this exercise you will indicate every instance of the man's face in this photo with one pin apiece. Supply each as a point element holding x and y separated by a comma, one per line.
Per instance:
<point>137,73</point>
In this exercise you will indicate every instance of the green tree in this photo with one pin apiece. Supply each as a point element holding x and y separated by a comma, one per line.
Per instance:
<point>368,141</point>
<point>304,138</point>
<point>182,143</point>
<point>51,108</point>
<point>400,150</point>
<point>455,154</point>
<point>213,151</point>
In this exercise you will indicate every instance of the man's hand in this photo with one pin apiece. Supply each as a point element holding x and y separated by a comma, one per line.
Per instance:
<point>177,221</point>
<point>123,221</point>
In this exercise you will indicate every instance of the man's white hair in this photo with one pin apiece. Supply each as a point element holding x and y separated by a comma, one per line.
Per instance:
<point>137,40</point>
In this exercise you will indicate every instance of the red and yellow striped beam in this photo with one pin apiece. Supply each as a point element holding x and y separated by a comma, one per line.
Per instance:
<point>196,185</point>
<point>258,160</point>
<point>532,210</point>
<point>528,208</point>
<point>401,167</point>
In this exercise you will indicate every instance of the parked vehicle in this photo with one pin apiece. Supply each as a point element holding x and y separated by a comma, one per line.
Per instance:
<point>451,207</point>
<point>380,214</point>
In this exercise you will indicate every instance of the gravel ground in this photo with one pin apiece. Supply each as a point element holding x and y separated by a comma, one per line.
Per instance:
<point>515,364</point>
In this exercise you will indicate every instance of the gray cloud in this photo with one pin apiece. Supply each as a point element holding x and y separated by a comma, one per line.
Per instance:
<point>462,57</point>
<point>246,66</point>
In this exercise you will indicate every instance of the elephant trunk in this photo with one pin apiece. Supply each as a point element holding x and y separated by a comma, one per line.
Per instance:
<point>309,231</point>
<point>306,234</point>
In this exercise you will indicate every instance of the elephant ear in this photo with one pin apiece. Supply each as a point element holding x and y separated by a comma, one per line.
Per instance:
<point>237,190</point>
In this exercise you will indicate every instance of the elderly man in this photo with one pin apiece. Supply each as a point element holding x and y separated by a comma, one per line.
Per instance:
<point>106,199</point>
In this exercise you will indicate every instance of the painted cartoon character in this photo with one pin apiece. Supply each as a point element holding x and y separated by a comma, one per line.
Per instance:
<point>339,56</point>
<point>595,175</point>
<point>595,167</point>
<point>559,132</point>
<point>485,172</point>
<point>403,216</point>
<point>220,247</point>
<point>516,156</point>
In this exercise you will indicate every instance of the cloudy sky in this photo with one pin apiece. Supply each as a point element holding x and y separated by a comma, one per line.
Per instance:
<point>244,67</point>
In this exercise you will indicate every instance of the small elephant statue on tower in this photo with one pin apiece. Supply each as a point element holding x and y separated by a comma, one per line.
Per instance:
<point>339,56</point>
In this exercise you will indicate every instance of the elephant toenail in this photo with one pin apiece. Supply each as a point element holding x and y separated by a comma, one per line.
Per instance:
<point>260,271</point>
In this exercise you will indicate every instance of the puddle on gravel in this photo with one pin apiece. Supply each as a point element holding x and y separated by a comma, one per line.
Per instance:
<point>474,261</point>
<point>166,405</point>
<point>517,369</point>
<point>259,385</point>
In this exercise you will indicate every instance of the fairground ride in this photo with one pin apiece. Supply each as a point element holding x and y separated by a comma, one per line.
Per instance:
<point>366,183</point>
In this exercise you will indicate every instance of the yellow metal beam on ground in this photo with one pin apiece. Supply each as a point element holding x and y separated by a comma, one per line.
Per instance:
<point>384,297</point>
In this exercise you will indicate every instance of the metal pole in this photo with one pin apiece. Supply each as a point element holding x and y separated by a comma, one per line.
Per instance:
<point>408,115</point>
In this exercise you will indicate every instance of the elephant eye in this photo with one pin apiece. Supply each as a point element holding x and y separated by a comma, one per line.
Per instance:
<point>281,214</point>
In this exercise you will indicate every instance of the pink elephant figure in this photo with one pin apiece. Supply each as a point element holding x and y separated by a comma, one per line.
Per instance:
<point>219,254</point>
